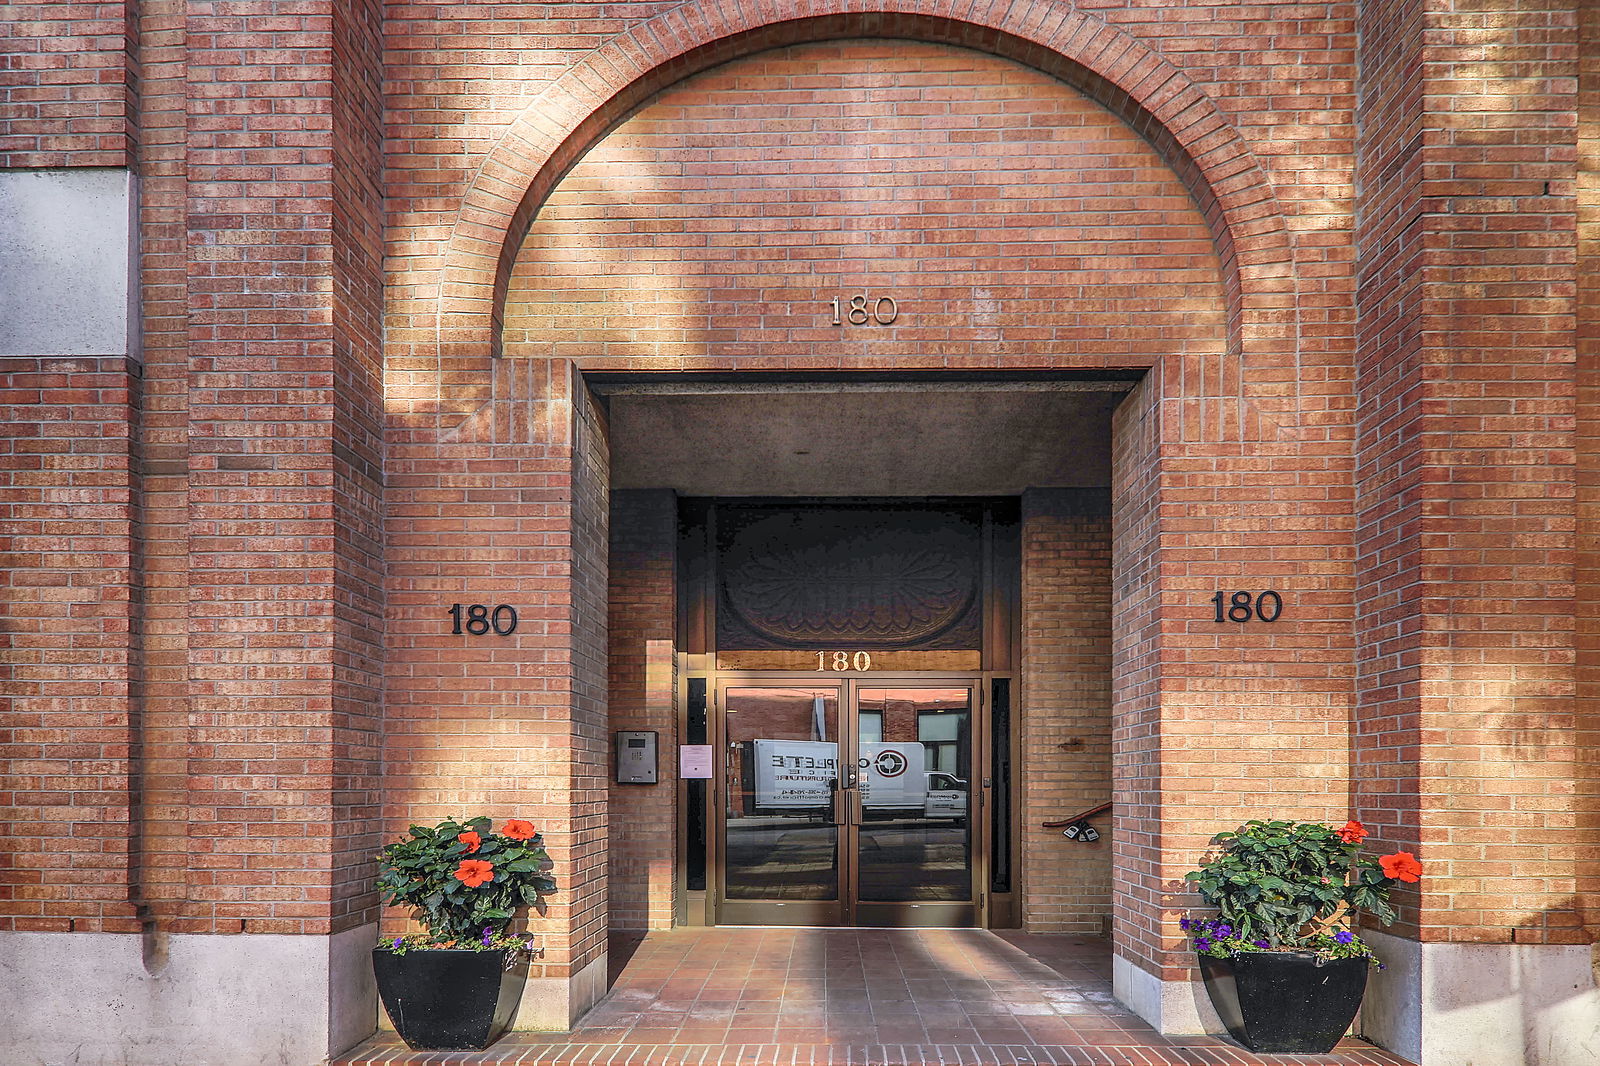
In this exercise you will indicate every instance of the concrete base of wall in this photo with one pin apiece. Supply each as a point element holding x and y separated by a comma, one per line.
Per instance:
<point>90,999</point>
<point>1485,1004</point>
<point>1176,1007</point>
<point>1435,1004</point>
<point>555,1003</point>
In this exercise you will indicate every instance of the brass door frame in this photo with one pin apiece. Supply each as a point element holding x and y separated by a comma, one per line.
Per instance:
<point>849,909</point>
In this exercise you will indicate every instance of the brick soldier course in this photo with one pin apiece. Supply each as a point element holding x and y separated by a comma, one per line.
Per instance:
<point>300,311</point>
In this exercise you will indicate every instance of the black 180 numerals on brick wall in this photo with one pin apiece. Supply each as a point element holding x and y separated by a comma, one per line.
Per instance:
<point>480,619</point>
<point>1245,607</point>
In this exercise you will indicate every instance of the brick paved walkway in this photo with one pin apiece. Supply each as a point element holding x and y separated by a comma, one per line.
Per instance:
<point>868,997</point>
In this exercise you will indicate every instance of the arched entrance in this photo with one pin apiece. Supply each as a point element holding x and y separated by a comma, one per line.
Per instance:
<point>663,252</point>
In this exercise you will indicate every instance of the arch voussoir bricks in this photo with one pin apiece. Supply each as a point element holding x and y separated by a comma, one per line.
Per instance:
<point>1128,77</point>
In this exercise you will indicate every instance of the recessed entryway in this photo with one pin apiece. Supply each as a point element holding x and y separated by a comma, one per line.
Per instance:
<point>844,570</point>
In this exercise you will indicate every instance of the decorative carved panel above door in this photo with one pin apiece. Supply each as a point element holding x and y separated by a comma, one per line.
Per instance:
<point>873,576</point>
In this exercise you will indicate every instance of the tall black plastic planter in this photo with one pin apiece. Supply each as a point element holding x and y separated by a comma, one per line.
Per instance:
<point>446,999</point>
<point>1285,1001</point>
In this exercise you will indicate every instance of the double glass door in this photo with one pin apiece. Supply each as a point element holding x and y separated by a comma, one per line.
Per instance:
<point>848,802</point>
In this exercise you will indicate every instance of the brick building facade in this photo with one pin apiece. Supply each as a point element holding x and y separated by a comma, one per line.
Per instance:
<point>320,316</point>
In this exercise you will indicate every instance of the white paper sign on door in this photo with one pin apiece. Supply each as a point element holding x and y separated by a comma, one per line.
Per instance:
<point>694,761</point>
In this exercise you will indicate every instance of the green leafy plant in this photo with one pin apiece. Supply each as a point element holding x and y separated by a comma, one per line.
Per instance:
<point>1295,886</point>
<point>463,882</point>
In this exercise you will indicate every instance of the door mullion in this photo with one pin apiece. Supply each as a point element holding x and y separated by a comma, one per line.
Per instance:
<point>849,832</point>
<point>978,801</point>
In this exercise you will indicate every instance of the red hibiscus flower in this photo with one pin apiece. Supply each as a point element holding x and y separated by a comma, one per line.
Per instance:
<point>1402,866</point>
<point>517,829</point>
<point>474,872</point>
<point>1352,832</point>
<point>471,840</point>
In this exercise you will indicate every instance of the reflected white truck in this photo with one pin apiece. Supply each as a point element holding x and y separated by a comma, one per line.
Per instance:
<point>892,776</point>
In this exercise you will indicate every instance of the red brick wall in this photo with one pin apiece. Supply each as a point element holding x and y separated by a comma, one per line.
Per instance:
<point>250,654</point>
<point>1469,483</point>
<point>1136,589</point>
<point>65,86</point>
<point>1586,735</point>
<point>1150,65</point>
<point>507,508</point>
<point>281,505</point>
<point>1500,301</point>
<point>589,737</point>
<point>1065,716</point>
<point>357,224</point>
<point>1366,405</point>
<point>162,636</point>
<point>1388,388</point>
<point>1007,215</point>
<point>642,609</point>
<point>65,517</point>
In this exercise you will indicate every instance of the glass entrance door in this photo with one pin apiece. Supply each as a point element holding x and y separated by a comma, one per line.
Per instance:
<point>847,803</point>
<point>781,785</point>
<point>911,831</point>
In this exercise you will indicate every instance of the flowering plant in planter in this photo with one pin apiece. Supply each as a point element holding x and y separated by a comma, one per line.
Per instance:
<point>463,882</point>
<point>1293,886</point>
<point>1281,964</point>
<point>456,985</point>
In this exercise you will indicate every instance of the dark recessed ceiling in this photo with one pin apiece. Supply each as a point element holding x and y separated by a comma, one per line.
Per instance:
<point>807,441</point>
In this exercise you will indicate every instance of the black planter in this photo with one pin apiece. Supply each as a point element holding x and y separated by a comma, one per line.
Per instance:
<point>447,999</point>
<point>1285,1001</point>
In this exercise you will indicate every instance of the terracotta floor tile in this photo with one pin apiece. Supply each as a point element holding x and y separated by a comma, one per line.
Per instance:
<point>660,1017</point>
<point>1048,1030</point>
<point>811,997</point>
<point>712,998</point>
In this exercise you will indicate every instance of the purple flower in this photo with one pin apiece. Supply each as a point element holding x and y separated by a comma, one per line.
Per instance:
<point>1201,943</point>
<point>1223,929</point>
<point>1262,943</point>
<point>1184,924</point>
<point>1344,936</point>
<point>397,941</point>
<point>486,934</point>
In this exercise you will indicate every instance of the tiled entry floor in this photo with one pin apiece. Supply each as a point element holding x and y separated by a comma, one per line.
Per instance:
<point>863,997</point>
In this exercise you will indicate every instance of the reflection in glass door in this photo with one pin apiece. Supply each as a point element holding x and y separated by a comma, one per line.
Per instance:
<point>780,782</point>
<point>848,804</point>
<point>913,842</point>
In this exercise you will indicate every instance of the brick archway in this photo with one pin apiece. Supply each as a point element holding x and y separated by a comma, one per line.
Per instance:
<point>1155,98</point>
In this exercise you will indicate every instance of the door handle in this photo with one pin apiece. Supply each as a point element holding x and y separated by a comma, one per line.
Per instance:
<point>846,805</point>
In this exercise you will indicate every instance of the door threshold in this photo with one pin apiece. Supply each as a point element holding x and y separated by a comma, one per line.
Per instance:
<point>842,928</point>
